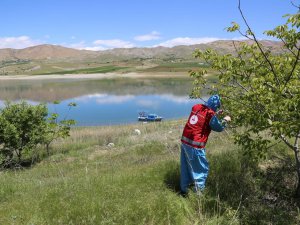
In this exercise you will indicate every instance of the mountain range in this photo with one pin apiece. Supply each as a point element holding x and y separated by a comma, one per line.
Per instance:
<point>44,52</point>
<point>54,58</point>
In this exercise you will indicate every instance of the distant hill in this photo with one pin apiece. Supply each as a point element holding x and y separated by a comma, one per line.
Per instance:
<point>42,59</point>
<point>54,52</point>
<point>41,52</point>
<point>184,51</point>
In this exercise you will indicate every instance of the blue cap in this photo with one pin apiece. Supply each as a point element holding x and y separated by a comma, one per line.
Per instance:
<point>214,102</point>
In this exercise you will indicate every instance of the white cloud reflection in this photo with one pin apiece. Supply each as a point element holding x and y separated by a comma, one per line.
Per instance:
<point>178,99</point>
<point>147,103</point>
<point>105,98</point>
<point>157,100</point>
<point>2,104</point>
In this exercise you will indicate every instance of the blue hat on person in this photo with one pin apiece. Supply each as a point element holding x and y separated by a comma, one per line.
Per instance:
<point>214,102</point>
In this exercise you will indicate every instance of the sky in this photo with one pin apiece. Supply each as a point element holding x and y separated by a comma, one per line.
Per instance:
<point>106,24</point>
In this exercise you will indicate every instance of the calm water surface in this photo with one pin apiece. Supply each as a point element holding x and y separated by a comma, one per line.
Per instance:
<point>105,102</point>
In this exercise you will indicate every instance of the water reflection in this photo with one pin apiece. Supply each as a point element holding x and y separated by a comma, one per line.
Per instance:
<point>51,90</point>
<point>105,102</point>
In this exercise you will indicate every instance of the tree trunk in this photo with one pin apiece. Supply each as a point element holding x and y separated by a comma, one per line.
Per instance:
<point>297,157</point>
<point>297,194</point>
<point>18,152</point>
<point>296,150</point>
<point>47,149</point>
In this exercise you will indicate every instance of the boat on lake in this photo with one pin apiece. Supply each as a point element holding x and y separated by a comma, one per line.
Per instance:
<point>152,117</point>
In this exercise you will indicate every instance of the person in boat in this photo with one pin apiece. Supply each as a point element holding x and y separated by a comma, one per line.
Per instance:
<point>193,163</point>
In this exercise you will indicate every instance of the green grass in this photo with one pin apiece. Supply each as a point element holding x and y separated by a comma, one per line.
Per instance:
<point>136,182</point>
<point>89,66</point>
<point>103,69</point>
<point>175,67</point>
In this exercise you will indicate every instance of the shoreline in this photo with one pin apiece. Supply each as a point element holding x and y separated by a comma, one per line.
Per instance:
<point>95,76</point>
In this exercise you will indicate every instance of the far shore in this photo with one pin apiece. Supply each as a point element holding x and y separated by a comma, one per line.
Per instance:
<point>95,76</point>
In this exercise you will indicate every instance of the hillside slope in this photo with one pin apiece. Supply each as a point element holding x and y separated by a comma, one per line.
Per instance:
<point>43,59</point>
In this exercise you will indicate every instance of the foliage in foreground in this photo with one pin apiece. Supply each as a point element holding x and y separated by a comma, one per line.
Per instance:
<point>260,89</point>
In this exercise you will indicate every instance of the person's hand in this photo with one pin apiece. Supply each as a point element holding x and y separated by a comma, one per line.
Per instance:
<point>227,118</point>
<point>220,112</point>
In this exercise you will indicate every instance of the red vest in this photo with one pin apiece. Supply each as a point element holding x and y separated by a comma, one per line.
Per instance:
<point>197,129</point>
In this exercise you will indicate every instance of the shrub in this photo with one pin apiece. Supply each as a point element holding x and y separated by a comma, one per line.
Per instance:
<point>22,127</point>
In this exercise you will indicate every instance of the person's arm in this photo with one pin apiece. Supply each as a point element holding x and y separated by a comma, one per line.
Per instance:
<point>217,125</point>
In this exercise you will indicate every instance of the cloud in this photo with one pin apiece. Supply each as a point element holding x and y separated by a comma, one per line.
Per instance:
<point>18,42</point>
<point>187,41</point>
<point>83,46</point>
<point>78,45</point>
<point>240,38</point>
<point>94,48</point>
<point>100,45</point>
<point>154,35</point>
<point>113,43</point>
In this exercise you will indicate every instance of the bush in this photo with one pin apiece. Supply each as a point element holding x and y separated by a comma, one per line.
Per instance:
<point>22,127</point>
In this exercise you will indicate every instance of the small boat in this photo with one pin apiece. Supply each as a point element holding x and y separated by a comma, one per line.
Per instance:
<point>149,117</point>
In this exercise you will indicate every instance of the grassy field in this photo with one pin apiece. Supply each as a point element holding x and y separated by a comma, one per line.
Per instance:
<point>103,69</point>
<point>175,67</point>
<point>93,66</point>
<point>136,181</point>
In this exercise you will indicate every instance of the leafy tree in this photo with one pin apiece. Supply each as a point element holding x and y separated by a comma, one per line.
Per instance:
<point>259,87</point>
<point>22,127</point>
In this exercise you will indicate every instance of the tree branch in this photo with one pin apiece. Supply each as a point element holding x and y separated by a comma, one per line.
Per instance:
<point>259,61</point>
<point>270,86</point>
<point>293,69</point>
<point>296,144</point>
<point>241,86</point>
<point>237,51</point>
<point>283,138</point>
<point>258,44</point>
<point>284,42</point>
<point>245,35</point>
<point>209,88</point>
<point>297,6</point>
<point>241,58</point>
<point>270,146</point>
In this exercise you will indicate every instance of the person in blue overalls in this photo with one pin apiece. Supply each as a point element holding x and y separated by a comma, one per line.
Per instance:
<point>193,164</point>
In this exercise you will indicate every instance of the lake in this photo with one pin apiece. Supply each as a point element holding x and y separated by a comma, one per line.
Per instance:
<point>105,101</point>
